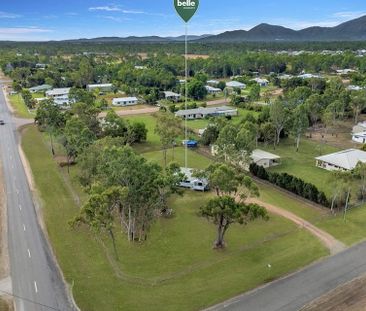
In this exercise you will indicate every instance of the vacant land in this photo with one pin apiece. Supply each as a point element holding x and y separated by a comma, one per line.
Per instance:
<point>20,108</point>
<point>176,268</point>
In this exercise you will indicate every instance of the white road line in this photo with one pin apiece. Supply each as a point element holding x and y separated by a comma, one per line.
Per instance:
<point>24,227</point>
<point>35,286</point>
<point>17,191</point>
<point>29,254</point>
<point>20,207</point>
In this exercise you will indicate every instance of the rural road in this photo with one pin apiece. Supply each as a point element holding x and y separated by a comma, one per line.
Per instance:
<point>296,290</point>
<point>37,283</point>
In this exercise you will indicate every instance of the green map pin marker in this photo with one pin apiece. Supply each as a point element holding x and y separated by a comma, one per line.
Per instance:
<point>186,8</point>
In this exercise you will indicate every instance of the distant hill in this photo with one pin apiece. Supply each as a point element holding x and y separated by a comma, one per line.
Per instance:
<point>348,31</point>
<point>354,30</point>
<point>139,39</point>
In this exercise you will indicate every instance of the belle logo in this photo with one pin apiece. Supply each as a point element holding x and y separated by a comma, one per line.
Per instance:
<point>188,3</point>
<point>186,8</point>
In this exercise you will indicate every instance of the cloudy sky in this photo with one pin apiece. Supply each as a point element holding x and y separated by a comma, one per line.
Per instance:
<point>56,20</point>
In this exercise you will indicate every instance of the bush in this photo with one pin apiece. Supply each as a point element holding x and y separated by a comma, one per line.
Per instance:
<point>291,183</point>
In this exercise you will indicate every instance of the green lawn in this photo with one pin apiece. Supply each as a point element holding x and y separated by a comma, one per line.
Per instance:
<point>20,108</point>
<point>302,163</point>
<point>153,140</point>
<point>270,195</point>
<point>349,231</point>
<point>195,160</point>
<point>176,268</point>
<point>38,95</point>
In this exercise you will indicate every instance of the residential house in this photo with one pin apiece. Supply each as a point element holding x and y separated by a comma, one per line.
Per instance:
<point>58,92</point>
<point>213,82</point>
<point>175,97</point>
<point>41,66</point>
<point>201,113</point>
<point>236,85</point>
<point>212,90</point>
<point>345,160</point>
<point>261,82</point>
<point>308,76</point>
<point>40,88</point>
<point>359,137</point>
<point>360,127</point>
<point>265,159</point>
<point>125,101</point>
<point>63,101</point>
<point>344,72</point>
<point>355,88</point>
<point>105,87</point>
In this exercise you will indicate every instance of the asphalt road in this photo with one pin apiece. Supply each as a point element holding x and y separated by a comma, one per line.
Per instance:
<point>37,284</point>
<point>293,292</point>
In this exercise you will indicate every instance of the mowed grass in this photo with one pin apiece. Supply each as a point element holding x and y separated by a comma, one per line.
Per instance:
<point>349,230</point>
<point>302,163</point>
<point>176,268</point>
<point>153,139</point>
<point>19,106</point>
<point>195,160</point>
<point>272,196</point>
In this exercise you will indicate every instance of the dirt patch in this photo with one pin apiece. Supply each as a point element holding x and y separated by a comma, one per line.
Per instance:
<point>197,56</point>
<point>348,297</point>
<point>325,238</point>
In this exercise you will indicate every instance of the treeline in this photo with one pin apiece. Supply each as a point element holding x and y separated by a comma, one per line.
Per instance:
<point>292,184</point>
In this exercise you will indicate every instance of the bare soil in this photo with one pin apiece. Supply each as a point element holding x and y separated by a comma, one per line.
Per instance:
<point>348,297</point>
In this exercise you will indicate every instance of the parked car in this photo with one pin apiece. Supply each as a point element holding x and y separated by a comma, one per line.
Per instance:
<point>2,122</point>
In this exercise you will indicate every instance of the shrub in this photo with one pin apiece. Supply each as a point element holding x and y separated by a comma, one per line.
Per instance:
<point>292,184</point>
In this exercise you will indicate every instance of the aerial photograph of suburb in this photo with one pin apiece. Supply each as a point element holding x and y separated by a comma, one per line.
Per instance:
<point>183,155</point>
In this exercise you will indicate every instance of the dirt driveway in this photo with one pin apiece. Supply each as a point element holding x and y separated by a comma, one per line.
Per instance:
<point>328,241</point>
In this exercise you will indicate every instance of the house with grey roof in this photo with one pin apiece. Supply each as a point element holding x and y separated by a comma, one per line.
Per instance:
<point>236,85</point>
<point>345,160</point>
<point>58,92</point>
<point>201,113</point>
<point>40,88</point>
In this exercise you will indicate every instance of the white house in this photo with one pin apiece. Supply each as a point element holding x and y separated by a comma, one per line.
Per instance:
<point>344,72</point>
<point>63,101</point>
<point>172,96</point>
<point>213,82</point>
<point>140,67</point>
<point>212,90</point>
<point>359,137</point>
<point>40,88</point>
<point>40,66</point>
<point>308,76</point>
<point>360,127</point>
<point>345,160</point>
<point>125,101</point>
<point>104,87</point>
<point>236,85</point>
<point>58,92</point>
<point>265,159</point>
<point>261,82</point>
<point>191,182</point>
<point>201,113</point>
<point>354,88</point>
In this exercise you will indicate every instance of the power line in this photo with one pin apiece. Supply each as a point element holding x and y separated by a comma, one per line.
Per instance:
<point>29,300</point>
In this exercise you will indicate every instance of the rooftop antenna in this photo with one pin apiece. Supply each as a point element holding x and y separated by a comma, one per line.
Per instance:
<point>186,9</point>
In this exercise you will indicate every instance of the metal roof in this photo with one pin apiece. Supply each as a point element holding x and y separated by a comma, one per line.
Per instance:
<point>347,159</point>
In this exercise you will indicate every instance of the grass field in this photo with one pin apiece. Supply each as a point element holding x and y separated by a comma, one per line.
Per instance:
<point>302,163</point>
<point>20,108</point>
<point>195,160</point>
<point>176,268</point>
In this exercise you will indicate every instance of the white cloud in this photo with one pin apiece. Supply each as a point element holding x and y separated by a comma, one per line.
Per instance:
<point>9,15</point>
<point>349,14</point>
<point>22,30</point>
<point>108,8</point>
<point>133,12</point>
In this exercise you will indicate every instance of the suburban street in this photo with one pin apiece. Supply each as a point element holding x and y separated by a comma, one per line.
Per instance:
<point>37,284</point>
<point>293,292</point>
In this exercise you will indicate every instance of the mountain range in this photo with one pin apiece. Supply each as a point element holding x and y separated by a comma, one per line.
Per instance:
<point>353,30</point>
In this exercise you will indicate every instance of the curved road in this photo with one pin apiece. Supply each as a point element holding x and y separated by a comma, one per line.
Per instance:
<point>37,283</point>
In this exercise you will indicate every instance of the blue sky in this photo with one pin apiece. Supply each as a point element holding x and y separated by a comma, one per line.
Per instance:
<point>65,19</point>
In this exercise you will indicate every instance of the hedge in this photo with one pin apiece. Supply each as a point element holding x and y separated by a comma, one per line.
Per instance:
<point>291,183</point>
